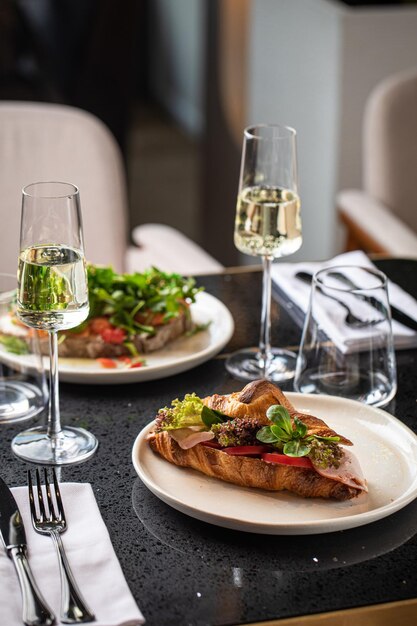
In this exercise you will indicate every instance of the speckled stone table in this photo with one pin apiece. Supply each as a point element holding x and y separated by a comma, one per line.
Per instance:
<point>186,572</point>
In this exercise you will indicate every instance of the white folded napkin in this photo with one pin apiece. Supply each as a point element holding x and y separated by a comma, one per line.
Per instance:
<point>298,293</point>
<point>91,557</point>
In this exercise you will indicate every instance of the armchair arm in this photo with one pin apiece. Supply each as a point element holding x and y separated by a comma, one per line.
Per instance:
<point>373,227</point>
<point>169,250</point>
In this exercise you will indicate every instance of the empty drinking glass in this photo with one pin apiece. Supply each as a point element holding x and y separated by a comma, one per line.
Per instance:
<point>347,344</point>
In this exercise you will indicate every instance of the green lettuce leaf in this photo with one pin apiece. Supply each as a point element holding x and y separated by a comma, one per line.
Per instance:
<point>182,414</point>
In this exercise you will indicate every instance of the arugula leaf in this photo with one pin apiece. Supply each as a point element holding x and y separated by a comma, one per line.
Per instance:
<point>131,300</point>
<point>132,348</point>
<point>15,345</point>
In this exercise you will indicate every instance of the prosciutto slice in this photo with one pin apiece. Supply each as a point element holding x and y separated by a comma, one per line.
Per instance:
<point>186,438</point>
<point>349,471</point>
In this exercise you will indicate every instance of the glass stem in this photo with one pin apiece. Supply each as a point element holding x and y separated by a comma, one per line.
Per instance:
<point>265,354</point>
<point>54,419</point>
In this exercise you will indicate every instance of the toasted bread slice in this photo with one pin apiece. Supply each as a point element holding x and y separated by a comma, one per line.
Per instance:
<point>94,347</point>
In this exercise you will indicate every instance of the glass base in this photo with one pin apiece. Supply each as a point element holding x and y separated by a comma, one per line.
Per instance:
<point>72,445</point>
<point>19,401</point>
<point>247,365</point>
<point>373,388</point>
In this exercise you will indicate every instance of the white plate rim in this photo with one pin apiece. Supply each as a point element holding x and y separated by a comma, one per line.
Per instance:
<point>303,528</point>
<point>100,376</point>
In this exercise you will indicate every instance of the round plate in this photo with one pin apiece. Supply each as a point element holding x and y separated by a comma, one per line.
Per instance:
<point>386,450</point>
<point>178,356</point>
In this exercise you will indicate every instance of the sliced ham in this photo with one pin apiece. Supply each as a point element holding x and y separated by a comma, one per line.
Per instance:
<point>349,471</point>
<point>188,437</point>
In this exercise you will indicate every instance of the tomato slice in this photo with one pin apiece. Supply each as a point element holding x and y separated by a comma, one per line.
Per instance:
<point>124,359</point>
<point>283,459</point>
<point>136,364</point>
<point>107,363</point>
<point>246,450</point>
<point>113,335</point>
<point>150,319</point>
<point>98,324</point>
<point>211,444</point>
<point>158,319</point>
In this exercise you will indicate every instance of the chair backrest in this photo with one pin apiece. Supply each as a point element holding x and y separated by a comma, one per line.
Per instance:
<point>390,145</point>
<point>46,142</point>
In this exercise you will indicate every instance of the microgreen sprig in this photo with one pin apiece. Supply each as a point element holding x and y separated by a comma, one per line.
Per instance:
<point>291,438</point>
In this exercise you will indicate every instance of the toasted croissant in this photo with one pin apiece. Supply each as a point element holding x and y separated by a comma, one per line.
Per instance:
<point>255,399</point>
<point>250,472</point>
<point>253,402</point>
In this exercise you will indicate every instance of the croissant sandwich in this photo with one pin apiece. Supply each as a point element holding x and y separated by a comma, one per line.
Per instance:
<point>257,438</point>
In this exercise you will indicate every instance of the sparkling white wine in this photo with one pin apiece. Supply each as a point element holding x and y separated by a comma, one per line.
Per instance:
<point>52,287</point>
<point>268,222</point>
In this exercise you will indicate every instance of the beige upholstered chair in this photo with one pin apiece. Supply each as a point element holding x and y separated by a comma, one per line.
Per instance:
<point>41,142</point>
<point>383,216</point>
<point>170,250</point>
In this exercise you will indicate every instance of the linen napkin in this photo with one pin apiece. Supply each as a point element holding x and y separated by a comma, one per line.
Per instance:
<point>91,557</point>
<point>296,295</point>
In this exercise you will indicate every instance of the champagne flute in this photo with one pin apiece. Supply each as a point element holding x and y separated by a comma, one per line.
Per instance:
<point>52,295</point>
<point>268,225</point>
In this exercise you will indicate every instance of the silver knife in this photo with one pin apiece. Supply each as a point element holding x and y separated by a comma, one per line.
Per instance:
<point>35,610</point>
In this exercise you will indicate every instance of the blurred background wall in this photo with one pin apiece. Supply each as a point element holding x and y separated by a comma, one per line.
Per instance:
<point>176,81</point>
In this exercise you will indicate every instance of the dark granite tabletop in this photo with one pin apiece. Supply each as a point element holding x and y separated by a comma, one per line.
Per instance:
<point>183,571</point>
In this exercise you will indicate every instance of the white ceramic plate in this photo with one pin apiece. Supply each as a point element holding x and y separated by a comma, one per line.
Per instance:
<point>178,356</point>
<point>385,447</point>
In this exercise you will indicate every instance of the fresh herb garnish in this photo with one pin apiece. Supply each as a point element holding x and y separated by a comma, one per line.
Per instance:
<point>15,345</point>
<point>188,412</point>
<point>131,301</point>
<point>198,328</point>
<point>325,453</point>
<point>240,431</point>
<point>211,416</point>
<point>293,439</point>
<point>181,414</point>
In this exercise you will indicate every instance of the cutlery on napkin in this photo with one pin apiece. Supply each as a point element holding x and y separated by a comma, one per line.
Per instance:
<point>296,294</point>
<point>396,314</point>
<point>92,557</point>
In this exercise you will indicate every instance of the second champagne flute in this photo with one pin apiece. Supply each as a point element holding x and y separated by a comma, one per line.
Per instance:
<point>52,296</point>
<point>267,225</point>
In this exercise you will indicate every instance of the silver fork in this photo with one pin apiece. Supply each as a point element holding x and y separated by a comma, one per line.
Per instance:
<point>48,518</point>
<point>350,320</point>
